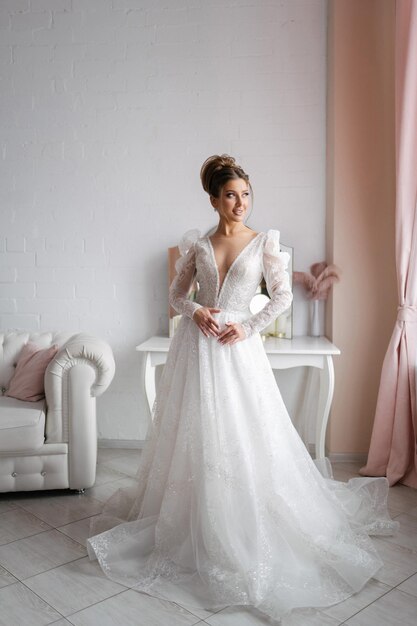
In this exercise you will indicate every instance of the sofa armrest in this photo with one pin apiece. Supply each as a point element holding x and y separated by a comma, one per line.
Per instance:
<point>63,401</point>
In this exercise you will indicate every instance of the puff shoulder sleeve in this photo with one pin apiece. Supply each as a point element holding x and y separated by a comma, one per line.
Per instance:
<point>277,280</point>
<point>185,268</point>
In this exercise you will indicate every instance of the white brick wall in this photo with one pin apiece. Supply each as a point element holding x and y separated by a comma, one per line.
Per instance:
<point>107,110</point>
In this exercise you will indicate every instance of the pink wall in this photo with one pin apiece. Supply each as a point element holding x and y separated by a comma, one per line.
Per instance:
<point>360,210</point>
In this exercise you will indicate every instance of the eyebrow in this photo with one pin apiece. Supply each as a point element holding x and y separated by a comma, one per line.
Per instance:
<point>234,190</point>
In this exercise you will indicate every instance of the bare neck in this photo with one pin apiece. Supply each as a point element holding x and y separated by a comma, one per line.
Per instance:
<point>227,229</point>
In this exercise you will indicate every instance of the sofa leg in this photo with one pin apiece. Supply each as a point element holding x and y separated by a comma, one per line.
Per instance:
<point>80,490</point>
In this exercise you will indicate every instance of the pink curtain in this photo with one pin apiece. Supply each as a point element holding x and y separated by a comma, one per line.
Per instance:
<point>393,449</point>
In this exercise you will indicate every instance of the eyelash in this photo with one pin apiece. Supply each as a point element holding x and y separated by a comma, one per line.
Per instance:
<point>231,195</point>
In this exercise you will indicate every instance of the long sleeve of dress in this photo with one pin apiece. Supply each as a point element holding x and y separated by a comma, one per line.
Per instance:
<point>185,267</point>
<point>277,279</point>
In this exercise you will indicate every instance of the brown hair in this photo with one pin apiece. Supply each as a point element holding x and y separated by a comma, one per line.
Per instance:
<point>217,170</point>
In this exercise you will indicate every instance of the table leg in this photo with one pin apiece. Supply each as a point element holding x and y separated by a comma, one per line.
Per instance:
<point>324,404</point>
<point>150,390</point>
<point>304,415</point>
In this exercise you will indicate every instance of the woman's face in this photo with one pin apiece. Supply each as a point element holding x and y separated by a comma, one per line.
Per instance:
<point>233,201</point>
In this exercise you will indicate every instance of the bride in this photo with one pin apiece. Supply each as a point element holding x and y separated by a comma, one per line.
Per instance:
<point>229,507</point>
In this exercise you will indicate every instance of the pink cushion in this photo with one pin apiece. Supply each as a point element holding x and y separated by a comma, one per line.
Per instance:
<point>27,382</point>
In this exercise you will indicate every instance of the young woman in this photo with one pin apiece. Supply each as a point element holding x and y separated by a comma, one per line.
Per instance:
<point>230,509</point>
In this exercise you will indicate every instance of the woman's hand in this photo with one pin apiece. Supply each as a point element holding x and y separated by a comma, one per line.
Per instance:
<point>233,333</point>
<point>206,322</point>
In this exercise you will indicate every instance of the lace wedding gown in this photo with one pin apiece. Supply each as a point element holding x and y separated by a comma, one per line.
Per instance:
<point>229,507</point>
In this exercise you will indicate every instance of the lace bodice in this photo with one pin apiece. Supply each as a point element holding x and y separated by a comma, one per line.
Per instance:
<point>261,256</point>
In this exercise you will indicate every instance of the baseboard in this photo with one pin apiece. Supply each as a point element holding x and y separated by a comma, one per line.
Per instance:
<point>334,457</point>
<point>132,444</point>
<point>340,457</point>
<point>347,457</point>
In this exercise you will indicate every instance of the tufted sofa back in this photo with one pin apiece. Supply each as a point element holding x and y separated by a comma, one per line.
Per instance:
<point>11,344</point>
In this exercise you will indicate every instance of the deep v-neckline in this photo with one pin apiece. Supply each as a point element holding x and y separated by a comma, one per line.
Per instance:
<point>233,263</point>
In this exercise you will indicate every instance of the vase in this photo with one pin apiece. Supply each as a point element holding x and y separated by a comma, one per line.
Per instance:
<point>314,318</point>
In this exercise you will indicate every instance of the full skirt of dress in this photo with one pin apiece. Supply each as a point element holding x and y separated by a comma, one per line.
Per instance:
<point>229,507</point>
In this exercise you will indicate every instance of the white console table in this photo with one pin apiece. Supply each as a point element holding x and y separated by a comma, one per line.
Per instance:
<point>315,352</point>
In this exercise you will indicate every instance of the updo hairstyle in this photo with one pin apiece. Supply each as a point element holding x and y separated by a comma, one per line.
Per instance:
<point>217,170</point>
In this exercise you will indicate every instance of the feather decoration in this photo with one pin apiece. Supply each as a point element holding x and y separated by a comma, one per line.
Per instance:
<point>317,268</point>
<point>319,280</point>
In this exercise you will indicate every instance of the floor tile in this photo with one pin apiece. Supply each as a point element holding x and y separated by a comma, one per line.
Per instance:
<point>309,617</point>
<point>79,581</point>
<point>402,498</point>
<point>60,510</point>
<point>203,614</point>
<point>343,610</point>
<point>393,511</point>
<point>239,616</point>
<point>6,506</point>
<point>132,452</point>
<point>341,474</point>
<point>103,492</point>
<point>399,562</point>
<point>73,586</point>
<point>6,578</point>
<point>131,608</point>
<point>413,511</point>
<point>127,464</point>
<point>105,454</point>
<point>36,554</point>
<point>249,616</point>
<point>394,608</point>
<point>409,585</point>
<point>406,536</point>
<point>105,475</point>
<point>21,607</point>
<point>79,531</point>
<point>352,467</point>
<point>17,523</point>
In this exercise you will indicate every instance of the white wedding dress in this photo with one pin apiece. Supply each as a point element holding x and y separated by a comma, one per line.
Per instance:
<point>229,507</point>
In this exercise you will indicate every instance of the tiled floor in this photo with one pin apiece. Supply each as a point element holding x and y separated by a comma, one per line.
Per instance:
<point>46,577</point>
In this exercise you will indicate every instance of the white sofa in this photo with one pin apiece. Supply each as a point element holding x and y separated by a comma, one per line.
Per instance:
<point>52,444</point>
